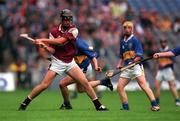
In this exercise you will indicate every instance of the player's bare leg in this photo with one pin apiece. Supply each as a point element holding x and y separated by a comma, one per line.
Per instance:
<point>144,86</point>
<point>81,89</point>
<point>157,85</point>
<point>79,76</point>
<point>92,82</point>
<point>50,75</point>
<point>95,83</point>
<point>174,92</point>
<point>64,91</point>
<point>122,93</point>
<point>68,80</point>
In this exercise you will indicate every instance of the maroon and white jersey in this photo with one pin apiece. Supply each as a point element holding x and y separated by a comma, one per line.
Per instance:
<point>66,51</point>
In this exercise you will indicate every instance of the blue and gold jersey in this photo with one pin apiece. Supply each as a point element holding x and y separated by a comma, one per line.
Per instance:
<point>84,54</point>
<point>130,48</point>
<point>176,51</point>
<point>165,62</point>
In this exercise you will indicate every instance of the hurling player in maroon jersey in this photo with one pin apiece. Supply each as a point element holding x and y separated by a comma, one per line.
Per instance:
<point>62,40</point>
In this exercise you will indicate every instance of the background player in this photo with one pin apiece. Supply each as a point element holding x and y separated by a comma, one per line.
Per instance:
<point>63,39</point>
<point>165,73</point>
<point>131,51</point>
<point>84,57</point>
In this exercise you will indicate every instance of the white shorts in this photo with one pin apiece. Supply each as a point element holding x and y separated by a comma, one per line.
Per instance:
<point>61,67</point>
<point>89,71</point>
<point>133,72</point>
<point>165,75</point>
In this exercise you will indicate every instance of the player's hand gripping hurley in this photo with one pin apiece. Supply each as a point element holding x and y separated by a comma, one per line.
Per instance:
<point>111,74</point>
<point>49,49</point>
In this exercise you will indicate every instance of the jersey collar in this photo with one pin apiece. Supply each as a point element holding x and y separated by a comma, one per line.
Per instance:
<point>165,49</point>
<point>128,38</point>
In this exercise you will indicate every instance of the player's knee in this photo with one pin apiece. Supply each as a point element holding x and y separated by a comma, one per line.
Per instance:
<point>171,85</point>
<point>80,89</point>
<point>120,87</point>
<point>156,88</point>
<point>85,84</point>
<point>61,84</point>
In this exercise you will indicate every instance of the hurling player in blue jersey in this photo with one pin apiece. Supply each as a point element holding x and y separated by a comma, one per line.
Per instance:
<point>173,52</point>
<point>165,72</point>
<point>84,57</point>
<point>131,51</point>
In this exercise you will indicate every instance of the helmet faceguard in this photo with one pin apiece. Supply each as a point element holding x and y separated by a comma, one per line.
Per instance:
<point>67,15</point>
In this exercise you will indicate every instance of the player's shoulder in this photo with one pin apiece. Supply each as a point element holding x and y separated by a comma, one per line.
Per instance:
<point>135,39</point>
<point>54,31</point>
<point>73,28</point>
<point>80,43</point>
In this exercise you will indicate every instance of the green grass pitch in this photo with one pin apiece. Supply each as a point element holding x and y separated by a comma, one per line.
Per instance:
<point>45,108</point>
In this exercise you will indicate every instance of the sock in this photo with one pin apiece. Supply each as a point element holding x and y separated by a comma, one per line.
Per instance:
<point>97,104</point>
<point>154,103</point>
<point>157,100</point>
<point>26,101</point>
<point>125,106</point>
<point>67,103</point>
<point>103,81</point>
<point>177,100</point>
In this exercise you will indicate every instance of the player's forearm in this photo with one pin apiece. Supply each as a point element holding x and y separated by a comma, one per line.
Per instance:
<point>46,47</point>
<point>163,54</point>
<point>60,40</point>
<point>120,63</point>
<point>166,54</point>
<point>137,58</point>
<point>49,49</point>
<point>94,62</point>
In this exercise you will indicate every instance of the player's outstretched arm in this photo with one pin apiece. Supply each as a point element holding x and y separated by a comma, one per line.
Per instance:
<point>163,54</point>
<point>55,41</point>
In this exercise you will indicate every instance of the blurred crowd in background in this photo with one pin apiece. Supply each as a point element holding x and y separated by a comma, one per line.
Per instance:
<point>99,22</point>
